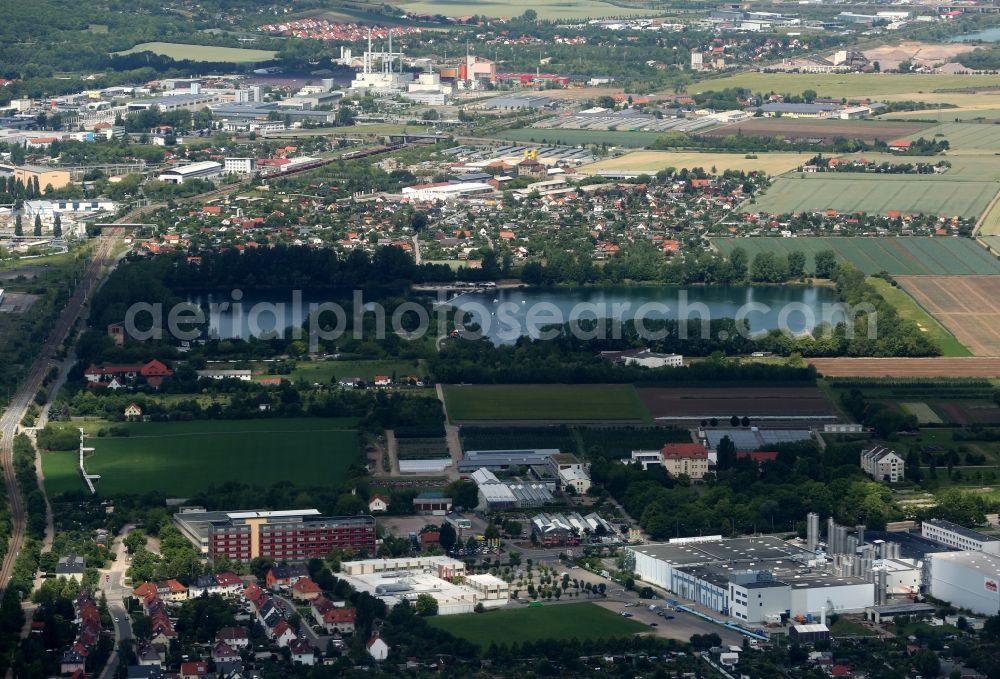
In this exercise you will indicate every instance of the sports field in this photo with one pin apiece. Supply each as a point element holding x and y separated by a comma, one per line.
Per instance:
<point>906,256</point>
<point>543,402</point>
<point>654,161</point>
<point>910,194</point>
<point>827,130</point>
<point>551,621</point>
<point>969,306</point>
<point>909,309</point>
<point>547,9</point>
<point>978,138</point>
<point>62,472</point>
<point>848,84</point>
<point>181,51</point>
<point>581,137</point>
<point>181,459</point>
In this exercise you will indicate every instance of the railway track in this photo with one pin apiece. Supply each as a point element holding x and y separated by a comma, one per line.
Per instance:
<point>14,413</point>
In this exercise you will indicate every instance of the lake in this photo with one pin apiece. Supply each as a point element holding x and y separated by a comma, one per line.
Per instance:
<point>986,35</point>
<point>506,314</point>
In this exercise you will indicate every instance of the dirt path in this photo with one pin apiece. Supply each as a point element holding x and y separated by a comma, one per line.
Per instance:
<point>451,436</point>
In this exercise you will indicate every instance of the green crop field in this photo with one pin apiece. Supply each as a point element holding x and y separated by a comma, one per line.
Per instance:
<point>845,84</point>
<point>945,115</point>
<point>975,168</point>
<point>552,621</point>
<point>62,472</point>
<point>179,51</point>
<point>910,194</point>
<point>908,308</point>
<point>914,255</point>
<point>581,137</point>
<point>966,136</point>
<point>551,402</point>
<point>180,459</point>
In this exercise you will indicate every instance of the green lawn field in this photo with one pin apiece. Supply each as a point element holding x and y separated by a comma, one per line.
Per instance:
<point>62,472</point>
<point>909,194</point>
<point>845,84</point>
<point>581,137</point>
<point>914,255</point>
<point>908,308</point>
<point>551,402</point>
<point>184,458</point>
<point>179,51</point>
<point>551,621</point>
<point>324,372</point>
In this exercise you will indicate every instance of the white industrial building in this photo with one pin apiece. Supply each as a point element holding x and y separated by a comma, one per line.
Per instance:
<point>243,166</point>
<point>182,173</point>
<point>969,580</point>
<point>497,494</point>
<point>753,580</point>
<point>959,537</point>
<point>446,191</point>
<point>444,578</point>
<point>883,464</point>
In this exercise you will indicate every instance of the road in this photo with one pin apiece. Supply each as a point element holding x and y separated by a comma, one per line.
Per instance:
<point>112,584</point>
<point>11,419</point>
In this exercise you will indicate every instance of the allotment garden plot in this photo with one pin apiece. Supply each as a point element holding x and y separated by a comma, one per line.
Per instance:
<point>181,459</point>
<point>969,306</point>
<point>902,256</point>
<point>877,194</point>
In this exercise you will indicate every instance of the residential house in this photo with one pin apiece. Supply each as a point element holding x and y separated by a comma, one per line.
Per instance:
<point>223,652</point>
<point>133,412</point>
<point>883,464</point>
<point>333,618</point>
<point>305,589</point>
<point>378,504</point>
<point>71,567</point>
<point>197,669</point>
<point>235,637</point>
<point>284,575</point>
<point>377,649</point>
<point>302,652</point>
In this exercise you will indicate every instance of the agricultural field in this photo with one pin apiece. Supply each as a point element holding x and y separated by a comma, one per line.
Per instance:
<point>772,404</point>
<point>581,137</point>
<point>948,115</point>
<point>827,130</point>
<point>544,402</point>
<point>654,161</point>
<point>892,86</point>
<point>553,621</point>
<point>974,138</point>
<point>904,256</point>
<point>422,449</point>
<point>989,225</point>
<point>908,367</point>
<point>547,9</point>
<point>877,194</point>
<point>946,401</point>
<point>611,441</point>
<point>179,51</point>
<point>969,306</point>
<point>993,242</point>
<point>181,459</point>
<point>963,168</point>
<point>910,310</point>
